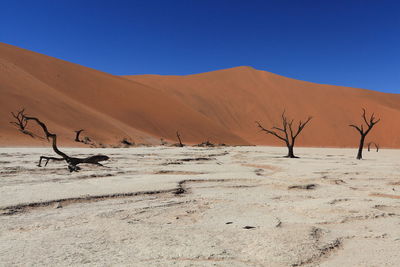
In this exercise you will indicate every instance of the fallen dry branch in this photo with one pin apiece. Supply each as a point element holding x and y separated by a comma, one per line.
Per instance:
<point>303,186</point>
<point>72,162</point>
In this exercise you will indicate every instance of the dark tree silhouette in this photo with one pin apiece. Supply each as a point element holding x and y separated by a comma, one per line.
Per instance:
<point>288,134</point>
<point>363,132</point>
<point>179,139</point>
<point>71,161</point>
<point>78,132</point>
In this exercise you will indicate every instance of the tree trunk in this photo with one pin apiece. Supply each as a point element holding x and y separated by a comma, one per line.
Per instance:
<point>179,139</point>
<point>290,152</point>
<point>360,148</point>
<point>77,135</point>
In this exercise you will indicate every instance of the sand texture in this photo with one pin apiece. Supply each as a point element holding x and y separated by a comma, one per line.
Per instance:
<point>228,206</point>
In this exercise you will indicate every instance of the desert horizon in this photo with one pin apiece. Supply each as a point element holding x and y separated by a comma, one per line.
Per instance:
<point>200,133</point>
<point>219,106</point>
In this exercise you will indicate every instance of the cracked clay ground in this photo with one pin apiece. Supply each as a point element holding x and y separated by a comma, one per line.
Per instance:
<point>230,206</point>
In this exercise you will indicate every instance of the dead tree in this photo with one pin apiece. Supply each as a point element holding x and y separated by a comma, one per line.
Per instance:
<point>78,132</point>
<point>363,132</point>
<point>375,144</point>
<point>179,139</point>
<point>288,134</point>
<point>72,162</point>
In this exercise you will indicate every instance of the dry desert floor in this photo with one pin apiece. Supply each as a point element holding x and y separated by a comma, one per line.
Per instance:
<point>226,206</point>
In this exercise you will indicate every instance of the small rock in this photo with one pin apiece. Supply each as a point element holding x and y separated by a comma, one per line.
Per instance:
<point>228,222</point>
<point>249,227</point>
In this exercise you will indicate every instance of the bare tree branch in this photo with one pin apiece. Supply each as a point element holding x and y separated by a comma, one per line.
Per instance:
<point>271,132</point>
<point>302,125</point>
<point>289,134</point>
<point>21,123</point>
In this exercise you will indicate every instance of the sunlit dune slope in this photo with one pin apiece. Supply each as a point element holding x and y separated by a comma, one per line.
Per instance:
<point>235,98</point>
<point>220,106</point>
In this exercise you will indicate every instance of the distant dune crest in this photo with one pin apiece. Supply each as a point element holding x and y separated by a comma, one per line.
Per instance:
<point>219,106</point>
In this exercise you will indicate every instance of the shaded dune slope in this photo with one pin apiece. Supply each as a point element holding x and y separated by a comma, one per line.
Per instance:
<point>68,97</point>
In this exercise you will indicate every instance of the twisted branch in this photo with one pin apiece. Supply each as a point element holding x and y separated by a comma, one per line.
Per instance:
<point>72,162</point>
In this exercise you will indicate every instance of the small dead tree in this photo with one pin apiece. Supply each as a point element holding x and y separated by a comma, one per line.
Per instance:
<point>72,162</point>
<point>179,139</point>
<point>363,132</point>
<point>77,133</point>
<point>375,144</point>
<point>288,134</point>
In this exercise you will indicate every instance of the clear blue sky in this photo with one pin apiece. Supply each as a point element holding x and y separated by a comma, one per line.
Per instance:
<point>342,42</point>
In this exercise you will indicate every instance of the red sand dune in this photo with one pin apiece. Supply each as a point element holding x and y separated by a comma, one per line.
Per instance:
<point>69,97</point>
<point>237,97</point>
<point>219,106</point>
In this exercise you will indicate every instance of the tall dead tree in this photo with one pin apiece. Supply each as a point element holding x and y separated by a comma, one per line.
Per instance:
<point>287,133</point>
<point>363,132</point>
<point>72,162</point>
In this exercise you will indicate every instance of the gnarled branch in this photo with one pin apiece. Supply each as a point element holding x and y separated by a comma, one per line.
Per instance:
<point>72,162</point>
<point>21,123</point>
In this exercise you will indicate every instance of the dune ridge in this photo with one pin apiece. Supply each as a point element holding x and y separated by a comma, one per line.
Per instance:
<point>219,106</point>
<point>237,97</point>
<point>68,96</point>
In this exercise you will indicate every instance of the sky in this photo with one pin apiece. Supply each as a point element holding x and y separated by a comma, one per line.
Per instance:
<point>352,43</point>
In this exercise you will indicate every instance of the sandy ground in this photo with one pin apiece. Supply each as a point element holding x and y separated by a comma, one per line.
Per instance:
<point>160,206</point>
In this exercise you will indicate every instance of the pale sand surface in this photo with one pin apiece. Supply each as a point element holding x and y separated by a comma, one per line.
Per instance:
<point>350,218</point>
